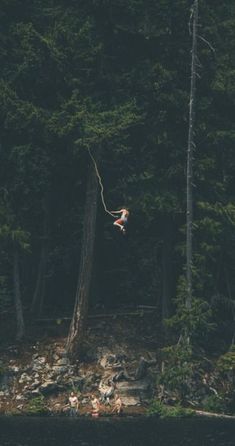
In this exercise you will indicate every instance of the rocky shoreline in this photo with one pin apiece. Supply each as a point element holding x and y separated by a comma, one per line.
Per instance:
<point>37,377</point>
<point>40,379</point>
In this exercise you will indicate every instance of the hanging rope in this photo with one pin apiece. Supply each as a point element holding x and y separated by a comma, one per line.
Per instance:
<point>101,184</point>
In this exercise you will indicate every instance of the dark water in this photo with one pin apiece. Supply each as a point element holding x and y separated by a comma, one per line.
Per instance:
<point>116,432</point>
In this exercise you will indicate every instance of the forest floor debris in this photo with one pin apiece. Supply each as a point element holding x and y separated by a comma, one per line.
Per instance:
<point>36,377</point>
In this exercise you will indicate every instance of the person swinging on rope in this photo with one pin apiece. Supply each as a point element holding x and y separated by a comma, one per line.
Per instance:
<point>123,220</point>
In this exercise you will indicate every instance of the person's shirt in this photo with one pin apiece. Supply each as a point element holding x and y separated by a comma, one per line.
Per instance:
<point>73,401</point>
<point>125,214</point>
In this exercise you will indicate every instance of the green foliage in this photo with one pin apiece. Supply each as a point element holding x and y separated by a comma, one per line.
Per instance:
<point>194,322</point>
<point>226,362</point>
<point>164,411</point>
<point>215,404</point>
<point>178,368</point>
<point>36,406</point>
<point>116,75</point>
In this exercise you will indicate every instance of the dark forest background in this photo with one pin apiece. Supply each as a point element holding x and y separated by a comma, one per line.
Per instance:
<point>114,76</point>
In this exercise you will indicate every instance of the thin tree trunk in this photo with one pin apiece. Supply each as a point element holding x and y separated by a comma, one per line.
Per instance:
<point>166,277</point>
<point>20,327</point>
<point>79,320</point>
<point>228,286</point>
<point>39,292</point>
<point>189,261</point>
<point>38,295</point>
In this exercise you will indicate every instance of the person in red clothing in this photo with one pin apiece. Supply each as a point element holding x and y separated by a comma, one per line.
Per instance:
<point>121,222</point>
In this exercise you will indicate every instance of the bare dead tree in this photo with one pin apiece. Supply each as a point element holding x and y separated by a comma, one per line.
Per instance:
<point>190,150</point>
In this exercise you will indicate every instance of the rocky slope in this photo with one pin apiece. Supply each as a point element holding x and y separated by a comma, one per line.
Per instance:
<point>120,357</point>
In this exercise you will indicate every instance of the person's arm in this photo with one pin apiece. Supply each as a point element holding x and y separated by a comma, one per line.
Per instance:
<point>116,212</point>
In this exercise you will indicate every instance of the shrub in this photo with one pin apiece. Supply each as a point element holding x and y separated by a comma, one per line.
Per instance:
<point>177,369</point>
<point>36,406</point>
<point>214,403</point>
<point>165,411</point>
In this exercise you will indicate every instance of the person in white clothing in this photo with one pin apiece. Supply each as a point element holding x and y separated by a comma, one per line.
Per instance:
<point>121,222</point>
<point>73,401</point>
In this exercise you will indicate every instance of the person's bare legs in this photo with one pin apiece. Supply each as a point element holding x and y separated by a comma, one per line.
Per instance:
<point>119,225</point>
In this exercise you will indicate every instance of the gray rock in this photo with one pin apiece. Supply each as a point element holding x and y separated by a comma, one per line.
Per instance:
<point>34,393</point>
<point>85,401</point>
<point>41,360</point>
<point>130,400</point>
<point>63,354</point>
<point>48,387</point>
<point>88,381</point>
<point>141,389</point>
<point>20,406</point>
<point>63,361</point>
<point>20,398</point>
<point>143,365</point>
<point>35,384</point>
<point>59,369</point>
<point>24,378</point>
<point>141,369</point>
<point>39,363</point>
<point>77,381</point>
<point>13,369</point>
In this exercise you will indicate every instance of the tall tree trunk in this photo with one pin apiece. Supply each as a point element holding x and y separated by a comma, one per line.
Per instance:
<point>166,277</point>
<point>189,259</point>
<point>20,328</point>
<point>38,295</point>
<point>39,292</point>
<point>78,323</point>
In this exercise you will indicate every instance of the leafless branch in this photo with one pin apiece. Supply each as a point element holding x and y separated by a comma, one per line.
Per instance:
<point>208,43</point>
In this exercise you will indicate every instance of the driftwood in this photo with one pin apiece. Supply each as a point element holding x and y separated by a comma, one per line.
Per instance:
<point>214,415</point>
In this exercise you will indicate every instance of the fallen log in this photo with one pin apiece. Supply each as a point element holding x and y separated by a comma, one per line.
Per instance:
<point>214,415</point>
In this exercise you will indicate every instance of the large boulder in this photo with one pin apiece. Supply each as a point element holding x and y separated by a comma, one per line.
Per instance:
<point>141,389</point>
<point>130,401</point>
<point>49,387</point>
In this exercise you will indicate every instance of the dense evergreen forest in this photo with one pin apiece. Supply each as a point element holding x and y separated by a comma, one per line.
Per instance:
<point>111,78</point>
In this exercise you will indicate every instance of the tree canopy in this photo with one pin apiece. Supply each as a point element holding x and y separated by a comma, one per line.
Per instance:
<point>115,76</point>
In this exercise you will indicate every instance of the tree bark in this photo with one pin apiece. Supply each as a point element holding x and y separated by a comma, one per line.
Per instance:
<point>189,223</point>
<point>39,292</point>
<point>20,327</point>
<point>166,274</point>
<point>79,320</point>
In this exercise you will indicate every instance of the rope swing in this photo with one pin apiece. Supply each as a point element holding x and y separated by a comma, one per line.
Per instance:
<point>101,185</point>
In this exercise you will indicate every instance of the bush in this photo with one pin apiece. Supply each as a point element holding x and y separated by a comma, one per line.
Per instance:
<point>215,404</point>
<point>36,406</point>
<point>158,408</point>
<point>177,372</point>
<point>226,362</point>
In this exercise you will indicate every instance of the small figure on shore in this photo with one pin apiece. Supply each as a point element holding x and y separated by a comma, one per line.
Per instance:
<point>106,391</point>
<point>117,405</point>
<point>123,220</point>
<point>73,401</point>
<point>95,406</point>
